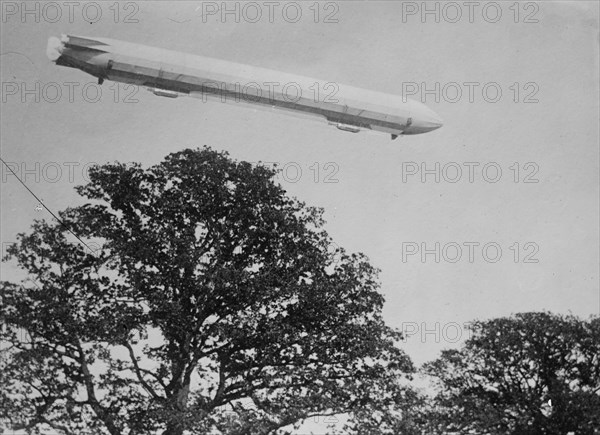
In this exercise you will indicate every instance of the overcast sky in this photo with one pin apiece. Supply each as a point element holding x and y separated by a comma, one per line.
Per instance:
<point>376,206</point>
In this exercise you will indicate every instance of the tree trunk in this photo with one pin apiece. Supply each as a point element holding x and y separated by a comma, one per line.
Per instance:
<point>177,407</point>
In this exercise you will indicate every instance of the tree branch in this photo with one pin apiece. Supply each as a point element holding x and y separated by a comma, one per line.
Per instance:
<point>138,371</point>
<point>100,411</point>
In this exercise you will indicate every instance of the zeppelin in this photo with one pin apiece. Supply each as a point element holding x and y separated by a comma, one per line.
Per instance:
<point>170,74</point>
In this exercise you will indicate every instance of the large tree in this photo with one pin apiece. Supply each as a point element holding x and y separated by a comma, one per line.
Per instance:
<point>213,302</point>
<point>532,373</point>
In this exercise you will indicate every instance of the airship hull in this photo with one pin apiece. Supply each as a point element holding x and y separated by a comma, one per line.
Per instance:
<point>169,73</point>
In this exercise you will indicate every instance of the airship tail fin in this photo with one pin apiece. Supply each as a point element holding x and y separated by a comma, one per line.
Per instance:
<point>54,48</point>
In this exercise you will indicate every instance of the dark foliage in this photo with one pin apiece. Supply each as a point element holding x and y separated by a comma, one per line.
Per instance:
<point>212,303</point>
<point>530,374</point>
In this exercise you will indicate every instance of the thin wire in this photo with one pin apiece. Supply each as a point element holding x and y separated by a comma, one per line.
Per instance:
<point>50,211</point>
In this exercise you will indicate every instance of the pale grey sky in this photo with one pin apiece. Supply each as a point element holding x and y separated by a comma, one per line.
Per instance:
<point>375,207</point>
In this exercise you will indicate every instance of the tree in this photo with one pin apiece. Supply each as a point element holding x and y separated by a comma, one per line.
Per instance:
<point>213,304</point>
<point>532,373</point>
<point>409,415</point>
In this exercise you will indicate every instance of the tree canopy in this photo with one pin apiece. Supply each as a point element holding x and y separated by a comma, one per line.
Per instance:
<point>213,303</point>
<point>529,374</point>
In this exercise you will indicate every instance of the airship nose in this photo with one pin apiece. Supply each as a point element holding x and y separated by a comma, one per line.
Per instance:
<point>423,119</point>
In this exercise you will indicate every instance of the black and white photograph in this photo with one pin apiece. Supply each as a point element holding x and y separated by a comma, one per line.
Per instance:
<point>300,217</point>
